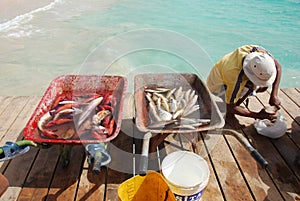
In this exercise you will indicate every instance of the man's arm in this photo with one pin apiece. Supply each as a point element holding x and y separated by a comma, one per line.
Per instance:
<point>274,100</point>
<point>238,110</point>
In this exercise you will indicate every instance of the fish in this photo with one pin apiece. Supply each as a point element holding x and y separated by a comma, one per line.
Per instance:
<point>178,93</point>
<point>165,105</point>
<point>88,110</point>
<point>163,102</point>
<point>173,105</point>
<point>190,104</point>
<point>163,114</point>
<point>170,93</point>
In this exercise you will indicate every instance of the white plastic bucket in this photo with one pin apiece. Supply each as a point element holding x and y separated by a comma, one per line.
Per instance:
<point>187,174</point>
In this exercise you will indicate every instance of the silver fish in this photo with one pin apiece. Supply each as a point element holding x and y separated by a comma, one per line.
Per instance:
<point>192,94</point>
<point>187,95</point>
<point>190,111</point>
<point>153,115</point>
<point>191,103</point>
<point>163,114</point>
<point>164,102</point>
<point>89,109</point>
<point>173,105</point>
<point>157,90</point>
<point>178,93</point>
<point>170,93</point>
<point>66,111</point>
<point>44,119</point>
<point>178,114</point>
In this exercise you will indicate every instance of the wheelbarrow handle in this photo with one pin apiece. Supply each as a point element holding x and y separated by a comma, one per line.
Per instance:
<point>144,156</point>
<point>259,158</point>
<point>14,149</point>
<point>20,144</point>
<point>253,152</point>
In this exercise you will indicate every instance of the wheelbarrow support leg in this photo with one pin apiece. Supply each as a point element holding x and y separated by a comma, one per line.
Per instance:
<point>65,154</point>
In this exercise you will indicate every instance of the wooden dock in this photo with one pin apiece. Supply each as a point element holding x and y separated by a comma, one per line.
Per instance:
<point>235,175</point>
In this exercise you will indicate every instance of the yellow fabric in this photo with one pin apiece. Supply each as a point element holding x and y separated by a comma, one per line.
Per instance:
<point>151,187</point>
<point>226,72</point>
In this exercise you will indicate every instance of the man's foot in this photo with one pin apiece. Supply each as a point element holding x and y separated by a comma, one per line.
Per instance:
<point>233,122</point>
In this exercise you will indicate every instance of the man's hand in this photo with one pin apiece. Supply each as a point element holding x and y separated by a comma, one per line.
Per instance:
<point>265,115</point>
<point>274,101</point>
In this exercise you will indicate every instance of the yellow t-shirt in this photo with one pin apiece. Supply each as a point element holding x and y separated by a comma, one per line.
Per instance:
<point>228,72</point>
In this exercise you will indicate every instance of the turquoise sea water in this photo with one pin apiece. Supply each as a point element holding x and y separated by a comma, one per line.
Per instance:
<point>129,36</point>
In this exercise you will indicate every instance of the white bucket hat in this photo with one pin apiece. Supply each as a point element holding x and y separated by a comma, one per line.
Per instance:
<point>260,69</point>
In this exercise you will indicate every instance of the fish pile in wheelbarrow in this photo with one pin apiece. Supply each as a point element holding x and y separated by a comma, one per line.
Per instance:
<point>78,109</point>
<point>174,103</point>
<point>73,117</point>
<point>173,108</point>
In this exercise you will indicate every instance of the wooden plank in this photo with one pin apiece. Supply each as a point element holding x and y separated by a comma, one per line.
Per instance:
<point>16,173</point>
<point>121,166</point>
<point>290,107</point>
<point>293,94</point>
<point>289,145</point>
<point>11,169</point>
<point>11,112</point>
<point>228,174</point>
<point>283,177</point>
<point>14,132</point>
<point>39,179</point>
<point>23,117</point>
<point>65,180</point>
<point>260,183</point>
<point>257,178</point>
<point>5,102</point>
<point>176,142</point>
<point>91,186</point>
<point>212,190</point>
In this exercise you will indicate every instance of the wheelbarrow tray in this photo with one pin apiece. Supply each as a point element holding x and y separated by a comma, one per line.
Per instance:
<point>78,85</point>
<point>208,108</point>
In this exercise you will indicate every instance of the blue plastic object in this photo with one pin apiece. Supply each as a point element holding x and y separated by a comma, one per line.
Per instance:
<point>97,156</point>
<point>12,150</point>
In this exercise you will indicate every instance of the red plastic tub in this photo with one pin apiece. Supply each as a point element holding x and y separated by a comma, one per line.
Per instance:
<point>78,85</point>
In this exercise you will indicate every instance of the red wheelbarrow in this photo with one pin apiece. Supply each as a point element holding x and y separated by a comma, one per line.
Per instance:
<point>75,109</point>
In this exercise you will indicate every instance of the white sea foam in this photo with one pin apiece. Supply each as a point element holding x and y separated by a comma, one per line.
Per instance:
<point>23,19</point>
